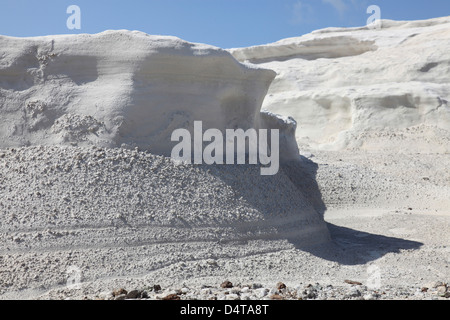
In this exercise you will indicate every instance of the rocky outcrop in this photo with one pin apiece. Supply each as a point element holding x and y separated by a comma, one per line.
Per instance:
<point>384,89</point>
<point>122,88</point>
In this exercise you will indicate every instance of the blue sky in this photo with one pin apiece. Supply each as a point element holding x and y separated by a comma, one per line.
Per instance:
<point>224,23</point>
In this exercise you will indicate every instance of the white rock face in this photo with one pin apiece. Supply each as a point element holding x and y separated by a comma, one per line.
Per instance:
<point>363,88</point>
<point>72,198</point>
<point>123,87</point>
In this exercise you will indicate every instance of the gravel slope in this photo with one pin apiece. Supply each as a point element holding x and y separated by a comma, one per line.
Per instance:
<point>396,247</point>
<point>116,213</point>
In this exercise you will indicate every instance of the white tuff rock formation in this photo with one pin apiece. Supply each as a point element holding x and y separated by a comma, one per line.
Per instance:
<point>125,88</point>
<point>70,199</point>
<point>363,88</point>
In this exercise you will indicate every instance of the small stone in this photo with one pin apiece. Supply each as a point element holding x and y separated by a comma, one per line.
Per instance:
<point>235,290</point>
<point>232,296</point>
<point>246,296</point>
<point>276,296</point>
<point>369,297</point>
<point>273,291</point>
<point>424,289</point>
<point>354,293</point>
<point>438,284</point>
<point>281,286</point>
<point>226,284</point>
<point>105,295</point>
<point>119,292</point>
<point>310,294</point>
<point>206,291</point>
<point>353,282</point>
<point>262,292</point>
<point>156,288</point>
<point>442,291</point>
<point>134,294</point>
<point>184,290</point>
<point>172,296</point>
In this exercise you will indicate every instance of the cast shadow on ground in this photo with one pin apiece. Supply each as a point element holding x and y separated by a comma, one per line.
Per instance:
<point>347,246</point>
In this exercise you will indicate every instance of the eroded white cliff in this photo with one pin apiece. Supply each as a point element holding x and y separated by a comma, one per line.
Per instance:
<point>375,89</point>
<point>123,88</point>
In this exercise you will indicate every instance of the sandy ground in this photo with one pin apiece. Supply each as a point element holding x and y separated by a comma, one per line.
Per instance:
<point>388,217</point>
